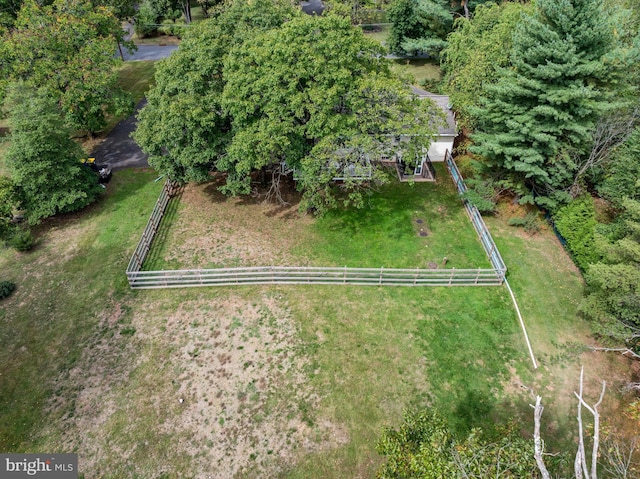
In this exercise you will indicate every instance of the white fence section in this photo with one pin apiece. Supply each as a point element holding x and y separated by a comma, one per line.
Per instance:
<point>139,279</point>
<point>476,219</point>
<point>313,275</point>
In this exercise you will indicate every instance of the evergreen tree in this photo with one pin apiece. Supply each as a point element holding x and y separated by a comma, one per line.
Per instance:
<point>419,26</point>
<point>43,161</point>
<point>542,110</point>
<point>613,300</point>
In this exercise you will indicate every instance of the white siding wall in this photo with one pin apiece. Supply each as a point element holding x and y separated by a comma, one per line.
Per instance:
<point>439,146</point>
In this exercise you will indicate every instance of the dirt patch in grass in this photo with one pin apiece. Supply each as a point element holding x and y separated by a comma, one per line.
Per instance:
<point>212,387</point>
<point>216,231</point>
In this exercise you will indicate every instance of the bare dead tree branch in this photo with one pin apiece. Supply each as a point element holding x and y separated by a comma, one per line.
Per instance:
<point>610,131</point>
<point>274,193</point>
<point>537,440</point>
<point>619,457</point>
<point>596,430</point>
<point>624,351</point>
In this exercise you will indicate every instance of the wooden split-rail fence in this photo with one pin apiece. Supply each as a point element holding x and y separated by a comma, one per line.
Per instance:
<point>140,279</point>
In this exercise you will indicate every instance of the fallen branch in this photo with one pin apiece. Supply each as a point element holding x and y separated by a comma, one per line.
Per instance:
<point>623,351</point>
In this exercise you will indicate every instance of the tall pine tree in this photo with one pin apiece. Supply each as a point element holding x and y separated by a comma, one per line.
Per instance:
<point>541,112</point>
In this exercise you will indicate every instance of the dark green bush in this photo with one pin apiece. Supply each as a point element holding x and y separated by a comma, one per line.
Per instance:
<point>530,222</point>
<point>6,288</point>
<point>22,240</point>
<point>576,222</point>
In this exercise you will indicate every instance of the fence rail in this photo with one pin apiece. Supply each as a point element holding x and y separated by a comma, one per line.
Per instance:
<point>144,245</point>
<point>476,219</point>
<point>139,279</point>
<point>313,275</point>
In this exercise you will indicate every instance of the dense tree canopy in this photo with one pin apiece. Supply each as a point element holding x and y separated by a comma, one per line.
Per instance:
<point>476,51</point>
<point>43,161</point>
<point>419,26</point>
<point>424,447</point>
<point>541,113</point>
<point>613,300</point>
<point>68,49</point>
<point>244,93</point>
<point>183,127</point>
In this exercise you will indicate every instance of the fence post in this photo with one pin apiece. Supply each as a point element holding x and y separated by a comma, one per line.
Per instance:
<point>380,279</point>
<point>415,277</point>
<point>344,275</point>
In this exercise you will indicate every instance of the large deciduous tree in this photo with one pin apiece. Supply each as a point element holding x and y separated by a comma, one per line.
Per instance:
<point>317,95</point>
<point>68,49</point>
<point>563,75</point>
<point>246,91</point>
<point>43,161</point>
<point>183,128</point>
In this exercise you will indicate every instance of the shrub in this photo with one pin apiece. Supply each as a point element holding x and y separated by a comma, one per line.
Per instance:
<point>6,288</point>
<point>530,222</point>
<point>146,20</point>
<point>22,240</point>
<point>576,222</point>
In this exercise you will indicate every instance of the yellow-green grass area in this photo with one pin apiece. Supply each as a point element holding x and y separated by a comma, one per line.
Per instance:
<point>402,225</point>
<point>377,32</point>
<point>420,69</point>
<point>135,77</point>
<point>4,146</point>
<point>281,381</point>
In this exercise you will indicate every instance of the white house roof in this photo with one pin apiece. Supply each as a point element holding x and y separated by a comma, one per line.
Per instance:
<point>443,102</point>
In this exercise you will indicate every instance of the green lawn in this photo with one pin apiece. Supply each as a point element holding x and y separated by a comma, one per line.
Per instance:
<point>293,382</point>
<point>420,69</point>
<point>401,225</point>
<point>64,286</point>
<point>386,232</point>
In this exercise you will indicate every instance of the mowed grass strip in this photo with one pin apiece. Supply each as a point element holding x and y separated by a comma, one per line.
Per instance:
<point>64,286</point>
<point>380,351</point>
<point>402,225</point>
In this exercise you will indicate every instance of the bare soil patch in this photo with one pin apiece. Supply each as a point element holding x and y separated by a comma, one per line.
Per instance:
<point>217,388</point>
<point>244,231</point>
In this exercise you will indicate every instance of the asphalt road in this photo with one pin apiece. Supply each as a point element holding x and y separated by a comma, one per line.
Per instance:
<point>150,52</point>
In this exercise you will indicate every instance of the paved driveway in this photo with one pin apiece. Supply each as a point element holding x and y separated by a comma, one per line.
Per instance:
<point>150,52</point>
<point>118,150</point>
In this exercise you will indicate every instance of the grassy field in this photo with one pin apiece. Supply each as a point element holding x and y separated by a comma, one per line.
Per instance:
<point>265,381</point>
<point>420,69</point>
<point>402,226</point>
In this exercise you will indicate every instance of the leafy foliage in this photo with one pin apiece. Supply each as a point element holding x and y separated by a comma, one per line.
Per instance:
<point>613,300</point>
<point>9,202</point>
<point>68,48</point>
<point>622,176</point>
<point>43,161</point>
<point>247,92</point>
<point>423,448</point>
<point>22,240</point>
<point>6,288</point>
<point>476,51</point>
<point>316,94</point>
<point>576,222</point>
<point>419,26</point>
<point>183,128</point>
<point>564,69</point>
